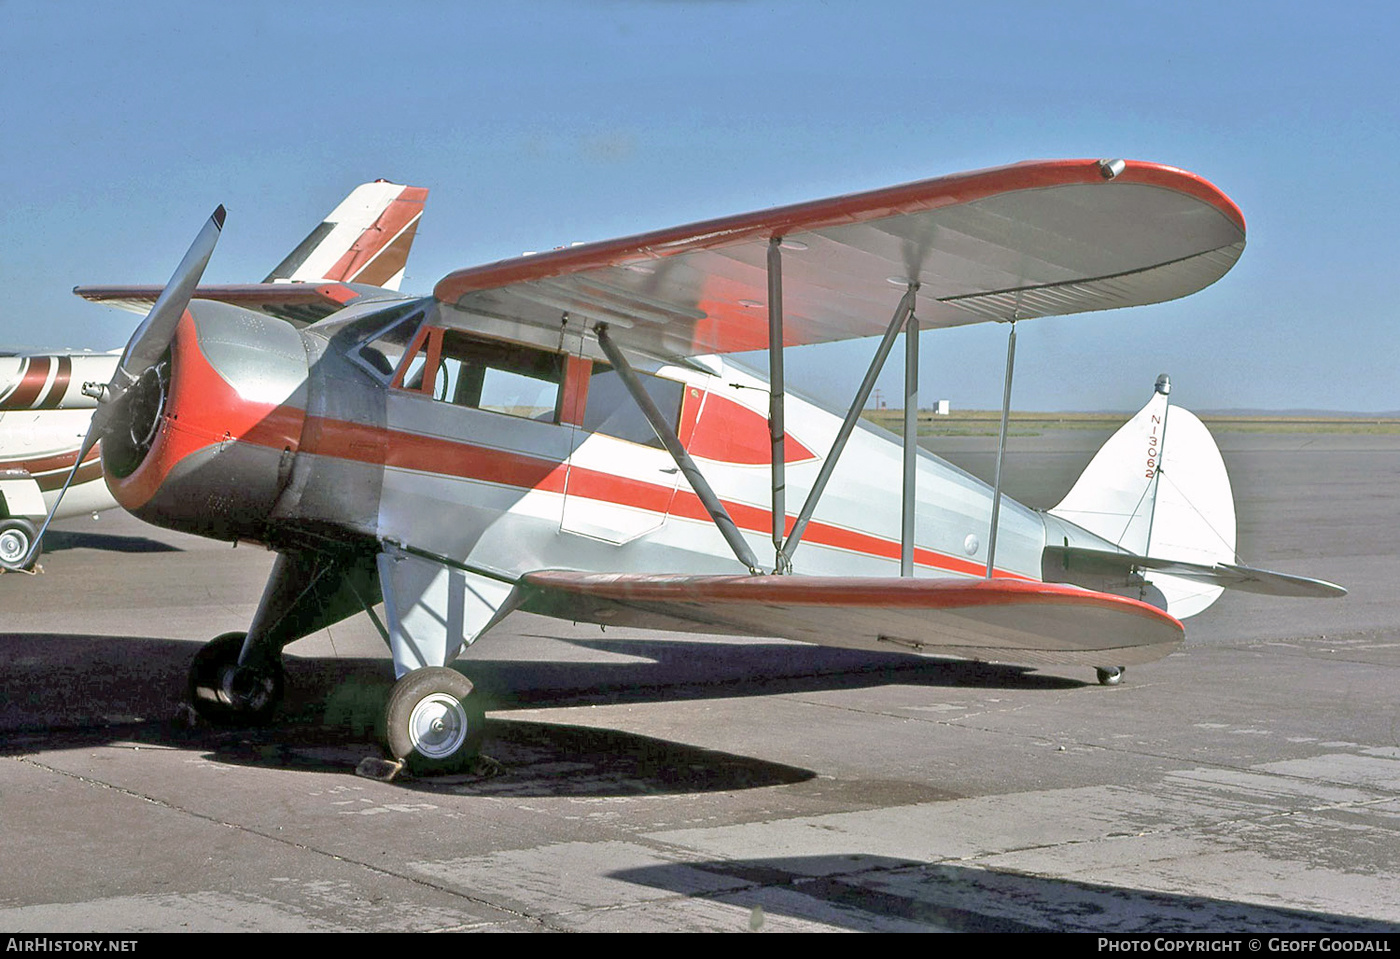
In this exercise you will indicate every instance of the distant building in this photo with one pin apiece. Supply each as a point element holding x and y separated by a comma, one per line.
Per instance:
<point>941,408</point>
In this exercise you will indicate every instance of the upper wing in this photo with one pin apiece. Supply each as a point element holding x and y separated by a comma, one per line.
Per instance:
<point>1033,239</point>
<point>1001,620</point>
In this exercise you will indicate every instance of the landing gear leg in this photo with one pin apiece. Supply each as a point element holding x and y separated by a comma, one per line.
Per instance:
<point>224,692</point>
<point>1110,675</point>
<point>432,722</point>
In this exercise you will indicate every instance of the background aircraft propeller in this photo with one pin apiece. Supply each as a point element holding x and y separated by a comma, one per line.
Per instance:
<point>135,382</point>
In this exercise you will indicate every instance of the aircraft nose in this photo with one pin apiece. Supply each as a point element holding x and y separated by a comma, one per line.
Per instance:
<point>206,440</point>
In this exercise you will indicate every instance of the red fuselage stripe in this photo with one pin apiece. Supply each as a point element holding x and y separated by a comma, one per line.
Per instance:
<point>345,440</point>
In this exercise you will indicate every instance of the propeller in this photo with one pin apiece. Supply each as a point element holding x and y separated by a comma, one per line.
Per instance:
<point>143,353</point>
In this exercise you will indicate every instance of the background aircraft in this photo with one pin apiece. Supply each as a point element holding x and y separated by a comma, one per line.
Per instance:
<point>44,412</point>
<point>562,434</point>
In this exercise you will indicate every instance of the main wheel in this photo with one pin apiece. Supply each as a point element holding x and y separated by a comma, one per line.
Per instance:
<point>432,722</point>
<point>221,691</point>
<point>1110,675</point>
<point>17,536</point>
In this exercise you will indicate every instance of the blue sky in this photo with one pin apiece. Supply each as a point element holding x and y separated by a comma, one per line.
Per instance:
<point>536,124</point>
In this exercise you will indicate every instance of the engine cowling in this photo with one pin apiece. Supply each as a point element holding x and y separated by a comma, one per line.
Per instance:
<point>205,439</point>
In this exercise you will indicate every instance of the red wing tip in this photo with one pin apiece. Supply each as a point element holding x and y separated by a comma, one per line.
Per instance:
<point>218,216</point>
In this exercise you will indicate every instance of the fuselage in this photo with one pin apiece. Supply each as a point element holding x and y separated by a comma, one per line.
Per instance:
<point>43,418</point>
<point>404,423</point>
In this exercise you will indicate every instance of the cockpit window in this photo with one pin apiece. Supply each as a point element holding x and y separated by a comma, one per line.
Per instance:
<point>384,345</point>
<point>612,411</point>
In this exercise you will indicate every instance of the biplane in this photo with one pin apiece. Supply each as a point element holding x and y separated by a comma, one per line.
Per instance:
<point>44,413</point>
<point>568,433</point>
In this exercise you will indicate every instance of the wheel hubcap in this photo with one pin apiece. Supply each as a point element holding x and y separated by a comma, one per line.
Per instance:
<point>438,726</point>
<point>246,689</point>
<point>13,546</point>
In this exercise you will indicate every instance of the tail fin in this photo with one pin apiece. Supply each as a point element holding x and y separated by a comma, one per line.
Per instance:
<point>365,239</point>
<point>1158,489</point>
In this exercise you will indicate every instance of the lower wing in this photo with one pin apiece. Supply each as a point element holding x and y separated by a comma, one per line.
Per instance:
<point>992,620</point>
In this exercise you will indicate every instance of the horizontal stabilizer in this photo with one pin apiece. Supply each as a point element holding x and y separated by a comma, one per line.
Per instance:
<point>992,620</point>
<point>358,251</point>
<point>295,302</point>
<point>1226,575</point>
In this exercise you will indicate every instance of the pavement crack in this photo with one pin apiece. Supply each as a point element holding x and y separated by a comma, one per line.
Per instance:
<point>280,840</point>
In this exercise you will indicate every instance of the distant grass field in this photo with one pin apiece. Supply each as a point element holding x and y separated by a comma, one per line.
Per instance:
<point>987,423</point>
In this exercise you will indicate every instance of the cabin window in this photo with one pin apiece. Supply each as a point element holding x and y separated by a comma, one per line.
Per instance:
<point>455,367</point>
<point>612,411</point>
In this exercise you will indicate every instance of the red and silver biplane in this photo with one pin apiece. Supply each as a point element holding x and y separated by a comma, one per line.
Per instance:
<point>562,433</point>
<point>44,413</point>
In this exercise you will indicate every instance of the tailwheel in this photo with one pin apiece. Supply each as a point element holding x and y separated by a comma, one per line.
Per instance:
<point>223,692</point>
<point>432,722</point>
<point>17,536</point>
<point>1110,675</point>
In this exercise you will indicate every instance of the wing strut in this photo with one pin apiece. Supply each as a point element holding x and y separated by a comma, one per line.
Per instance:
<point>911,444</point>
<point>1001,449</point>
<point>904,318</point>
<point>781,563</point>
<point>901,314</point>
<point>718,514</point>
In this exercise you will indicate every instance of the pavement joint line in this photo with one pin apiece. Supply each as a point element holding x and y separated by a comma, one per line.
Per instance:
<point>961,722</point>
<point>1161,831</point>
<point>282,840</point>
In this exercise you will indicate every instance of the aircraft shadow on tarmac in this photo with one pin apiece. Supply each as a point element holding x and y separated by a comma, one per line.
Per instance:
<point>58,540</point>
<point>676,669</point>
<point>71,691</point>
<point>850,890</point>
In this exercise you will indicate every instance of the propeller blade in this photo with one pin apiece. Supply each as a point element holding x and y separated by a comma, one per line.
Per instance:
<point>158,328</point>
<point>144,350</point>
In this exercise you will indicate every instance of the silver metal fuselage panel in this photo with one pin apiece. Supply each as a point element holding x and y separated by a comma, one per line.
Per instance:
<point>513,495</point>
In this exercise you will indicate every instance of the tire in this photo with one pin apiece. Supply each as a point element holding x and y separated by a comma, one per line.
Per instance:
<point>224,693</point>
<point>432,722</point>
<point>17,537</point>
<point>1110,675</point>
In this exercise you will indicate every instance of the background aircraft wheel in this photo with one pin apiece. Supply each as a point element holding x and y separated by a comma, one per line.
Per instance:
<point>16,537</point>
<point>223,692</point>
<point>1110,675</point>
<point>432,721</point>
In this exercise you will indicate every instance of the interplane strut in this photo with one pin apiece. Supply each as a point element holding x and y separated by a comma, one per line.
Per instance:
<point>901,316</point>
<point>775,402</point>
<point>911,445</point>
<point>1001,450</point>
<point>718,514</point>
